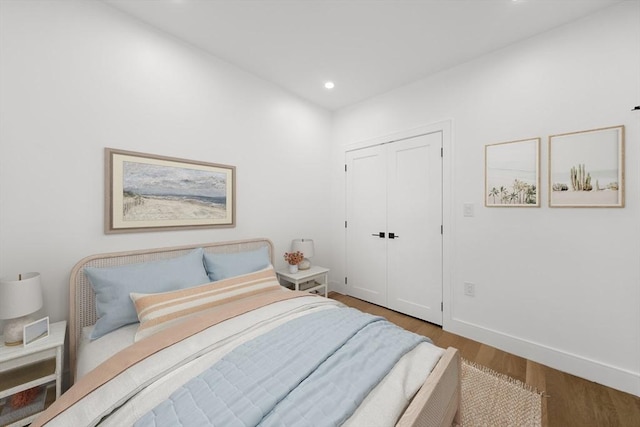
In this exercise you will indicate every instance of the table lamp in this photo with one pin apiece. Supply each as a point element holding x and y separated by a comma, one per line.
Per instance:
<point>306,247</point>
<point>19,299</point>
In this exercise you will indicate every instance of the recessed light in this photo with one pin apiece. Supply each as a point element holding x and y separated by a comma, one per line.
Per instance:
<point>329,85</point>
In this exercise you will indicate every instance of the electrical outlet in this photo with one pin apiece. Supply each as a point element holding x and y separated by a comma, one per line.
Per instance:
<point>469,289</point>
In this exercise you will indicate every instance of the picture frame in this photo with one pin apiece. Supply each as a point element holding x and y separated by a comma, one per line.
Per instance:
<point>148,192</point>
<point>512,173</point>
<point>35,330</point>
<point>586,168</point>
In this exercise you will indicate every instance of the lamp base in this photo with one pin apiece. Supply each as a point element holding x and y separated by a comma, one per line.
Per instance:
<point>14,329</point>
<point>305,264</point>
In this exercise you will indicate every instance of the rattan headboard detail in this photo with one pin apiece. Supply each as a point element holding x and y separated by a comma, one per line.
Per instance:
<point>82,309</point>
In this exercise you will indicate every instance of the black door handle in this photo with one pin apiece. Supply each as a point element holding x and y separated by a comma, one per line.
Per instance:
<point>380,234</point>
<point>393,236</point>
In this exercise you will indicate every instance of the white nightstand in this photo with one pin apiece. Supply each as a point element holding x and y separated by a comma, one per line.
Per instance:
<point>39,363</point>
<point>314,279</point>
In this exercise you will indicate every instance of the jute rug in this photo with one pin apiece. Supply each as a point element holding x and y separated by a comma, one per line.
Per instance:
<point>491,399</point>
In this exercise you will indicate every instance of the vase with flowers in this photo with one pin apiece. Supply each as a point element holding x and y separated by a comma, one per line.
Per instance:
<point>293,258</point>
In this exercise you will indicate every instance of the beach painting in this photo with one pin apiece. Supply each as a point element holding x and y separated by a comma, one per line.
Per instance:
<point>147,192</point>
<point>586,168</point>
<point>512,174</point>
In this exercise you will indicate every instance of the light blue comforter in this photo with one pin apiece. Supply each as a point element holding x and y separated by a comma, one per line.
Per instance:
<point>312,371</point>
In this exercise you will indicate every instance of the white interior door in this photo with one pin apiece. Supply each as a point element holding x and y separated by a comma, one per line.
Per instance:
<point>394,218</point>
<point>366,217</point>
<point>414,220</point>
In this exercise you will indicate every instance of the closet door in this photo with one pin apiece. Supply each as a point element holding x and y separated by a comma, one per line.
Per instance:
<point>414,220</point>
<point>366,248</point>
<point>394,219</point>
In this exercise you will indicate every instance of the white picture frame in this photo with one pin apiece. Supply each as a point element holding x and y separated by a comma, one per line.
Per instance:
<point>36,330</point>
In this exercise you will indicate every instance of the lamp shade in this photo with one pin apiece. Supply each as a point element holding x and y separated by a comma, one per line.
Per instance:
<point>20,296</point>
<point>303,245</point>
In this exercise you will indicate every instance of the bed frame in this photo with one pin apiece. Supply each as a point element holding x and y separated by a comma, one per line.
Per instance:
<point>437,403</point>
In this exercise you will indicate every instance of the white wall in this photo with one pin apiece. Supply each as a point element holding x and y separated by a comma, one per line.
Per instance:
<point>559,286</point>
<point>78,76</point>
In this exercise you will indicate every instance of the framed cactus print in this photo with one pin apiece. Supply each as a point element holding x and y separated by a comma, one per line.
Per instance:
<point>586,169</point>
<point>512,174</point>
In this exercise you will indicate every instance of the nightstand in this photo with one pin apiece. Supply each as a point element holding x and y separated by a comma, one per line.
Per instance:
<point>315,279</point>
<point>22,368</point>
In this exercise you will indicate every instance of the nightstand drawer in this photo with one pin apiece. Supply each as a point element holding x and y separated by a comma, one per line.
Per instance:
<point>28,359</point>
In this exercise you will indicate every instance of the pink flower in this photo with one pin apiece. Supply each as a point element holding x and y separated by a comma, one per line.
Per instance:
<point>293,258</point>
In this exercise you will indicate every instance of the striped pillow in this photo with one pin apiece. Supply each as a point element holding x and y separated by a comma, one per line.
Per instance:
<point>159,311</point>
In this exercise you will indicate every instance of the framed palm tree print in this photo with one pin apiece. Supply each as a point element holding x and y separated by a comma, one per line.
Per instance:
<point>512,174</point>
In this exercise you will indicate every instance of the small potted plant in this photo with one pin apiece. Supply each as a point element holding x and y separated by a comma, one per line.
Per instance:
<point>293,258</point>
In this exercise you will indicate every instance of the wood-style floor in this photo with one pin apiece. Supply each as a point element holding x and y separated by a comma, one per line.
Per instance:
<point>568,400</point>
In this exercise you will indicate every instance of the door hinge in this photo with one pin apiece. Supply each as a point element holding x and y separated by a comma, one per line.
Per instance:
<point>441,306</point>
<point>345,167</point>
<point>345,224</point>
<point>345,280</point>
<point>441,152</point>
<point>442,229</point>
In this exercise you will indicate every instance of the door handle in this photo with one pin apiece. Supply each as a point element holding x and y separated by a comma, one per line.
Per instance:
<point>393,236</point>
<point>380,234</point>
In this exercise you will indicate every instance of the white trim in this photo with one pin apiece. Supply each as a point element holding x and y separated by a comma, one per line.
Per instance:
<point>593,370</point>
<point>397,136</point>
<point>337,287</point>
<point>448,222</point>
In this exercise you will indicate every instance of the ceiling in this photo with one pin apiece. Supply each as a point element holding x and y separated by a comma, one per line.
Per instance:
<point>367,47</point>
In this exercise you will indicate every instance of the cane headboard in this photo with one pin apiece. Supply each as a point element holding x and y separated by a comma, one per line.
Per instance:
<point>82,307</point>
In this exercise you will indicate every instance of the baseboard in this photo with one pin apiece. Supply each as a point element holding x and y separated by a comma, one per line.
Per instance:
<point>338,287</point>
<point>592,370</point>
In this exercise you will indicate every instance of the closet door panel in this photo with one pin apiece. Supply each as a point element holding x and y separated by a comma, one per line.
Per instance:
<point>414,209</point>
<point>366,258</point>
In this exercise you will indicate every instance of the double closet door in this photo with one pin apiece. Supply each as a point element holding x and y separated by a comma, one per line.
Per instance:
<point>394,225</point>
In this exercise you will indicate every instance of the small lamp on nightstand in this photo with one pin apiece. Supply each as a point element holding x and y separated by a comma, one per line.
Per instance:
<point>19,299</point>
<point>306,247</point>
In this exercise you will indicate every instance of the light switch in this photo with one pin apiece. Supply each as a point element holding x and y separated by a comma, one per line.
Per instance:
<point>469,289</point>
<point>467,209</point>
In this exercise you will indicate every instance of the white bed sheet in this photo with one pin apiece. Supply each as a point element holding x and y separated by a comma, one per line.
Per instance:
<point>93,353</point>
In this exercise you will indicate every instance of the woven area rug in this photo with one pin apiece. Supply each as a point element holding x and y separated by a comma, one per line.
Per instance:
<point>493,399</point>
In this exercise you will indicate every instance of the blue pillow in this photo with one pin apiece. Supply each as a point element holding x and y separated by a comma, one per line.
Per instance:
<point>222,266</point>
<point>114,284</point>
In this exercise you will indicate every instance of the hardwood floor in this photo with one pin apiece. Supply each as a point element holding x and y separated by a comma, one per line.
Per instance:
<point>568,400</point>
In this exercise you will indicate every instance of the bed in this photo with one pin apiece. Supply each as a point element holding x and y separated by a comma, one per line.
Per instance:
<point>121,390</point>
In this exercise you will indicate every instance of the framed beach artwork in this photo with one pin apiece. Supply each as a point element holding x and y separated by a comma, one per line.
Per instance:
<point>146,192</point>
<point>586,169</point>
<point>512,174</point>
